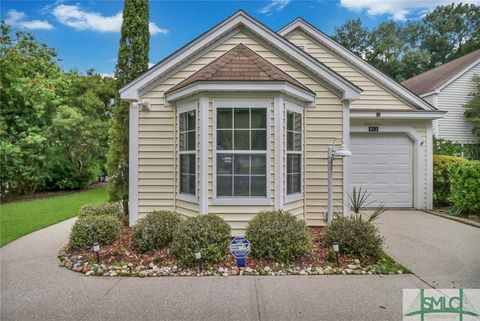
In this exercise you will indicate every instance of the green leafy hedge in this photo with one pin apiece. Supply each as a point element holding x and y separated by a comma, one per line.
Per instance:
<point>155,230</point>
<point>97,209</point>
<point>278,236</point>
<point>208,233</point>
<point>356,236</point>
<point>441,179</point>
<point>89,229</point>
<point>465,186</point>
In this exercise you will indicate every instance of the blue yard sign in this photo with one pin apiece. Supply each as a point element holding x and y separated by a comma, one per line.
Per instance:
<point>240,248</point>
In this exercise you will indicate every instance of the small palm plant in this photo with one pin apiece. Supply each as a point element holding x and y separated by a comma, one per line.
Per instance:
<point>359,201</point>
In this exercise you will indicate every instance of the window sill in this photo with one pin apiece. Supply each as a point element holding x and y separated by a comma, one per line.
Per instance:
<point>293,198</point>
<point>241,201</point>
<point>187,198</point>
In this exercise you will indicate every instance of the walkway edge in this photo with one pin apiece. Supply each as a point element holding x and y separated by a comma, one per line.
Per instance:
<point>453,218</point>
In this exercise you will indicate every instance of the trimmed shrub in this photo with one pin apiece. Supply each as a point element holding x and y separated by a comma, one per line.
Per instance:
<point>104,229</point>
<point>441,179</point>
<point>356,236</point>
<point>154,231</point>
<point>278,236</point>
<point>96,209</point>
<point>208,233</point>
<point>465,186</point>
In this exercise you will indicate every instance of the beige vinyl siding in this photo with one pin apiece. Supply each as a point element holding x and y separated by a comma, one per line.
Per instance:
<point>452,99</point>
<point>420,126</point>
<point>373,95</point>
<point>157,145</point>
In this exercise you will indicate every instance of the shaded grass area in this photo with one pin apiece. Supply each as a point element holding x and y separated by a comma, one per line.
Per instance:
<point>387,264</point>
<point>20,218</point>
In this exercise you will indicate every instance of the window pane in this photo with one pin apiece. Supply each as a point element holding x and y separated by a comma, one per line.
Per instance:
<point>259,118</point>
<point>259,164</point>
<point>293,164</point>
<point>298,122</point>
<point>191,120</point>
<point>290,139</point>
<point>187,164</point>
<point>224,140</point>
<point>191,140</point>
<point>224,164</point>
<point>224,185</point>
<point>183,141</point>
<point>241,118</point>
<point>224,118</point>
<point>259,139</point>
<point>259,184</point>
<point>191,180</point>
<point>293,183</point>
<point>241,186</point>
<point>182,122</point>
<point>290,120</point>
<point>298,141</point>
<point>242,140</point>
<point>184,184</point>
<point>242,164</point>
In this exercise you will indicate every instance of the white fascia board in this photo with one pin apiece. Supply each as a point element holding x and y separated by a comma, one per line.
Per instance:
<point>208,86</point>
<point>348,90</point>
<point>355,61</point>
<point>384,114</point>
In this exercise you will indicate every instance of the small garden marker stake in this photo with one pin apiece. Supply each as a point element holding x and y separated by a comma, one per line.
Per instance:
<point>96,249</point>
<point>198,257</point>
<point>336,249</point>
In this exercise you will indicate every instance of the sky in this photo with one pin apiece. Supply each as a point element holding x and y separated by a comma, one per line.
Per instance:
<point>86,33</point>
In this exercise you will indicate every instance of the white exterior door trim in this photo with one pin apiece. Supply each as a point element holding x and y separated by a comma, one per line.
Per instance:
<point>418,156</point>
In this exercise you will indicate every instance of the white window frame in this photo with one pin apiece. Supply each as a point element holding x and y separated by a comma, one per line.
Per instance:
<point>180,110</point>
<point>241,103</point>
<point>289,106</point>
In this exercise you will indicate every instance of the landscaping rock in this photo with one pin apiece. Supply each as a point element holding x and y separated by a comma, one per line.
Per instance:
<point>89,273</point>
<point>356,261</point>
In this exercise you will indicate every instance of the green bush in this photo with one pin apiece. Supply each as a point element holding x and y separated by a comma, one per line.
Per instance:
<point>278,236</point>
<point>441,179</point>
<point>465,186</point>
<point>154,231</point>
<point>356,236</point>
<point>97,209</point>
<point>104,229</point>
<point>208,233</point>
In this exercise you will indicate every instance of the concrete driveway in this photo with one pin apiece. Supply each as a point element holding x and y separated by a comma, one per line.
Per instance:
<point>442,252</point>
<point>33,287</point>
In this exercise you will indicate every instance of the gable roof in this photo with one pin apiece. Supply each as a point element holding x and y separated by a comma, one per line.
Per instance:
<point>438,77</point>
<point>404,93</point>
<point>238,64</point>
<point>338,84</point>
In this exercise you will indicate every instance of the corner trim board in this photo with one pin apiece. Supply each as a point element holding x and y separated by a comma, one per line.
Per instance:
<point>133,164</point>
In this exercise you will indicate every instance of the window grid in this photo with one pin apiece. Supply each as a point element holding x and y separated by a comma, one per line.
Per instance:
<point>294,151</point>
<point>186,149</point>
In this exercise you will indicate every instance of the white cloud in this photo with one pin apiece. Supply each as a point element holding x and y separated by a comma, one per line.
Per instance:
<point>274,5</point>
<point>110,75</point>
<point>17,19</point>
<point>397,9</point>
<point>150,65</point>
<point>74,16</point>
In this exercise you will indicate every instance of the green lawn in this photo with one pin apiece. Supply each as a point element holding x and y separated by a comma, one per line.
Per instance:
<point>20,218</point>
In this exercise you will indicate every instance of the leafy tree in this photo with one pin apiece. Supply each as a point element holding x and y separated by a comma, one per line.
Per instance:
<point>353,36</point>
<point>132,60</point>
<point>451,31</point>
<point>472,112</point>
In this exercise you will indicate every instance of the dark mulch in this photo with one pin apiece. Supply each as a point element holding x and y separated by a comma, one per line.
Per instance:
<point>30,197</point>
<point>121,252</point>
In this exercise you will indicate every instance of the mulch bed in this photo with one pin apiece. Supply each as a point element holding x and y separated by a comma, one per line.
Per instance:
<point>121,251</point>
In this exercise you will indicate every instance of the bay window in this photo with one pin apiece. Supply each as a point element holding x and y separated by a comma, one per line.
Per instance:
<point>241,152</point>
<point>187,147</point>
<point>294,152</point>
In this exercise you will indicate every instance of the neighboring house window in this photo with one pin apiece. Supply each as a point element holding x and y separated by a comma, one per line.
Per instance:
<point>241,152</point>
<point>187,146</point>
<point>294,152</point>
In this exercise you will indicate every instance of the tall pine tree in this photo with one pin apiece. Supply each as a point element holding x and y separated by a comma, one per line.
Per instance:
<point>132,60</point>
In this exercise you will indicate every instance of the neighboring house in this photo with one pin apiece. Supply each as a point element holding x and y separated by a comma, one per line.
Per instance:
<point>239,120</point>
<point>448,87</point>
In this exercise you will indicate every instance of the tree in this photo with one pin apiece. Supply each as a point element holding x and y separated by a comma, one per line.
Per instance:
<point>451,31</point>
<point>353,36</point>
<point>472,112</point>
<point>132,60</point>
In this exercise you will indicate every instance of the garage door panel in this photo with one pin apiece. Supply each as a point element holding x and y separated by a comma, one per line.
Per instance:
<point>383,165</point>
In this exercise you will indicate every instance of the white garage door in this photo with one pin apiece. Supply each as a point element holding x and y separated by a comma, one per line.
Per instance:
<point>383,164</point>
